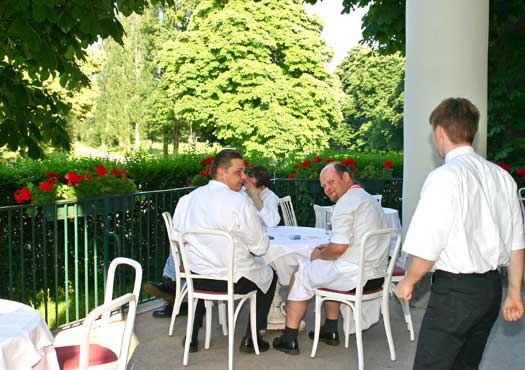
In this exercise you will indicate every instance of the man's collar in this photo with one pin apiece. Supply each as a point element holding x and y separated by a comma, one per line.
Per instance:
<point>462,150</point>
<point>217,184</point>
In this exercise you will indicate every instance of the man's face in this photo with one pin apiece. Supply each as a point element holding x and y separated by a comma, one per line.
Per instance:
<point>334,185</point>
<point>234,175</point>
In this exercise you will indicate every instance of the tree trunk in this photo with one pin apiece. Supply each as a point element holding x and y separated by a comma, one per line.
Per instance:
<point>176,141</point>
<point>137,137</point>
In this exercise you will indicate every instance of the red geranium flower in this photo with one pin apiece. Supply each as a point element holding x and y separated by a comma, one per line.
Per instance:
<point>87,176</point>
<point>329,160</point>
<point>521,171</point>
<point>205,173</point>
<point>348,161</point>
<point>388,164</point>
<point>318,159</point>
<point>291,175</point>
<point>503,165</point>
<point>295,166</point>
<point>306,163</point>
<point>100,169</point>
<point>22,194</point>
<point>72,178</point>
<point>46,185</point>
<point>116,172</point>
<point>246,164</point>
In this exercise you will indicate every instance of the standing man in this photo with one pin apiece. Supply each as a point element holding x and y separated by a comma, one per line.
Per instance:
<point>467,224</point>
<point>221,206</point>
<point>336,265</point>
<point>265,200</point>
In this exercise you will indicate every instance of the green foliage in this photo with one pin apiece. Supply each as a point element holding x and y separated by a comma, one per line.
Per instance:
<point>373,112</point>
<point>252,75</point>
<point>43,39</point>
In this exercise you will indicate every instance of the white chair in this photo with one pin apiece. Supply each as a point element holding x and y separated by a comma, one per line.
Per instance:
<point>521,196</point>
<point>354,299</point>
<point>113,339</point>
<point>397,275</point>
<point>287,210</point>
<point>229,296</point>
<point>323,216</point>
<point>378,197</point>
<point>181,289</point>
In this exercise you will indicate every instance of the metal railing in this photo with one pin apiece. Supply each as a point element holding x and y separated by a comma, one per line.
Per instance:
<point>55,257</point>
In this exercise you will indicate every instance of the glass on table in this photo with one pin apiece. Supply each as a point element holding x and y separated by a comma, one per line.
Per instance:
<point>328,223</point>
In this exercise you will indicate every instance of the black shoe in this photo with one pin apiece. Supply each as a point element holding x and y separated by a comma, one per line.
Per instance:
<point>291,347</point>
<point>247,345</point>
<point>194,345</point>
<point>164,311</point>
<point>164,290</point>
<point>329,337</point>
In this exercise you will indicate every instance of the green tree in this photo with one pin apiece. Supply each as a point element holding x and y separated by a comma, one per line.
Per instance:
<point>384,29</point>
<point>43,39</point>
<point>252,74</point>
<point>373,112</point>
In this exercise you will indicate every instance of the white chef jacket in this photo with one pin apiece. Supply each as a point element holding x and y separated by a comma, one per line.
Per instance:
<point>215,206</point>
<point>269,213</point>
<point>468,218</point>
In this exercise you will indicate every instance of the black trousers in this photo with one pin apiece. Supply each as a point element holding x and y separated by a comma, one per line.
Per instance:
<point>460,314</point>
<point>242,286</point>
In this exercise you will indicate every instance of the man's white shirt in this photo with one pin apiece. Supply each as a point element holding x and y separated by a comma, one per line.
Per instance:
<point>215,206</point>
<point>468,218</point>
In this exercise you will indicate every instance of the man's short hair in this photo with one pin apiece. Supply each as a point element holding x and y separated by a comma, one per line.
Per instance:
<point>261,175</point>
<point>223,160</point>
<point>458,117</point>
<point>339,168</point>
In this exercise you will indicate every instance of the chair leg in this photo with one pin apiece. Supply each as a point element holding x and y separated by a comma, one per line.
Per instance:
<point>317,328</point>
<point>231,331</point>
<point>385,309</point>
<point>189,329</point>
<point>222,318</point>
<point>253,322</point>
<point>209,310</point>
<point>359,339</point>
<point>408,317</point>
<point>346,324</point>
<point>179,297</point>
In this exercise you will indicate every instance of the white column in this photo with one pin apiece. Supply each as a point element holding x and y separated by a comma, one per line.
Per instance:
<point>446,56</point>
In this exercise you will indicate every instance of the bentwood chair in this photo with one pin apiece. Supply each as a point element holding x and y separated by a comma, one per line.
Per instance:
<point>229,296</point>
<point>287,210</point>
<point>103,343</point>
<point>397,276</point>
<point>323,216</point>
<point>181,289</point>
<point>521,196</point>
<point>354,299</point>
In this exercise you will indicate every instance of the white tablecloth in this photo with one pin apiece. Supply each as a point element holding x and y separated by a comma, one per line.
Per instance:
<point>25,339</point>
<point>289,244</point>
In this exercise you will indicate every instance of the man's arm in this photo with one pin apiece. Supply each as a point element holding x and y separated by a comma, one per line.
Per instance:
<point>330,251</point>
<point>417,269</point>
<point>513,306</point>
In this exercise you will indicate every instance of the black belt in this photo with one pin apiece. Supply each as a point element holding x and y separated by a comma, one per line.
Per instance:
<point>440,274</point>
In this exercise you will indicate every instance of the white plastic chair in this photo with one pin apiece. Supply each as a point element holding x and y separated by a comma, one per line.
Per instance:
<point>109,352</point>
<point>287,210</point>
<point>521,196</point>
<point>229,296</point>
<point>181,289</point>
<point>323,216</point>
<point>354,299</point>
<point>397,275</point>
<point>378,197</point>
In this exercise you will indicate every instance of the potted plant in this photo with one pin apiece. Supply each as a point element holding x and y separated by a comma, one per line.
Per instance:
<point>75,186</point>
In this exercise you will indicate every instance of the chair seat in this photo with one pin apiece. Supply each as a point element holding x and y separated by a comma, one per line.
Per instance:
<point>351,292</point>
<point>209,292</point>
<point>181,268</point>
<point>69,356</point>
<point>398,271</point>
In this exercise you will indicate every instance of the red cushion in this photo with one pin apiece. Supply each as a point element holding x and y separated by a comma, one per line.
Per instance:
<point>398,271</point>
<point>69,356</point>
<point>181,268</point>
<point>352,292</point>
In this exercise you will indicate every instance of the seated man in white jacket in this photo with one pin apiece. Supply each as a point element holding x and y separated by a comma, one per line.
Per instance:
<point>220,205</point>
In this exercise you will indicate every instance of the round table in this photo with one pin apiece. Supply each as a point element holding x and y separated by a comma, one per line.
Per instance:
<point>25,340</point>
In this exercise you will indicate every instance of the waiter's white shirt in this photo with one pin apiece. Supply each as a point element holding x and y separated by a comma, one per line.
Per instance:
<point>355,214</point>
<point>468,218</point>
<point>269,213</point>
<point>215,206</point>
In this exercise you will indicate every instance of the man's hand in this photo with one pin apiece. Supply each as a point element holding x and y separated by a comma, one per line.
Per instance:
<point>404,289</point>
<point>512,308</point>
<point>316,253</point>
<point>252,190</point>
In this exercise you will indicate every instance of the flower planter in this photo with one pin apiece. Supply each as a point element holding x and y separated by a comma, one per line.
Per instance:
<point>95,207</point>
<point>59,213</point>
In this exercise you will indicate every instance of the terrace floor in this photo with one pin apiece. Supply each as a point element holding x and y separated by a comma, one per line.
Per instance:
<point>157,351</point>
